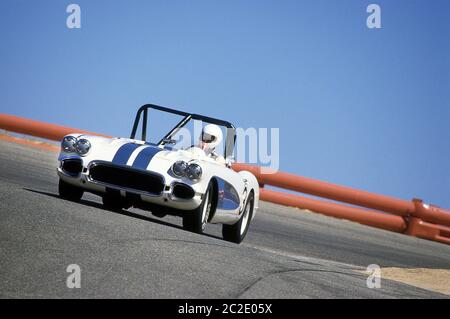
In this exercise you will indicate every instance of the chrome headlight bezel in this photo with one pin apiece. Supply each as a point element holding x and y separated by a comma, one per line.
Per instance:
<point>72,144</point>
<point>179,168</point>
<point>191,171</point>
<point>68,144</point>
<point>83,146</point>
<point>194,172</point>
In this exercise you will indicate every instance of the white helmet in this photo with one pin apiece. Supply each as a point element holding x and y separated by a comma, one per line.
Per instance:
<point>211,137</point>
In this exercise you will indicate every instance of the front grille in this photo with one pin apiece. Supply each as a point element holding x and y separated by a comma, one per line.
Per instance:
<point>72,166</point>
<point>125,177</point>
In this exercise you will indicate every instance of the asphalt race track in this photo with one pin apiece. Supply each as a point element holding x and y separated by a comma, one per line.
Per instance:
<point>288,253</point>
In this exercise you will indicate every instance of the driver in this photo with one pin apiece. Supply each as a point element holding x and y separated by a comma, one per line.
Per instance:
<point>210,137</point>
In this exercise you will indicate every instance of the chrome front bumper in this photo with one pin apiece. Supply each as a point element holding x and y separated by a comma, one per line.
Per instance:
<point>164,198</point>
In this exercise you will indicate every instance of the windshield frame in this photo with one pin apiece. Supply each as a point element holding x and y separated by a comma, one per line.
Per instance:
<point>143,112</point>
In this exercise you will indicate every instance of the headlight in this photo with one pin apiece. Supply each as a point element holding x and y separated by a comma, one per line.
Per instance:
<point>83,146</point>
<point>182,169</point>
<point>179,168</point>
<point>194,172</point>
<point>68,144</point>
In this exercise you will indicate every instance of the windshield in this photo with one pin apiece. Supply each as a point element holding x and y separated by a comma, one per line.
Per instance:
<point>179,130</point>
<point>190,136</point>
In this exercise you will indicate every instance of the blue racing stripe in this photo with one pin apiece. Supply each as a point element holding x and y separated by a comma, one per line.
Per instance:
<point>145,156</point>
<point>124,152</point>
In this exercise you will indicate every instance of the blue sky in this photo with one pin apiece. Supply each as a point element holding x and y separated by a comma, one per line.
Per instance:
<point>355,106</point>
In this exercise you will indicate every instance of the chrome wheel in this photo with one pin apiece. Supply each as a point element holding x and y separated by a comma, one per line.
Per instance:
<point>206,210</point>
<point>245,218</point>
<point>197,219</point>
<point>237,232</point>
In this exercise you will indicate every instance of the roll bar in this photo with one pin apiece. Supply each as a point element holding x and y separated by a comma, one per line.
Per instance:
<point>143,111</point>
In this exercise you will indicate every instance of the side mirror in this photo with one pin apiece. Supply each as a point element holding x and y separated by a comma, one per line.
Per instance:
<point>169,141</point>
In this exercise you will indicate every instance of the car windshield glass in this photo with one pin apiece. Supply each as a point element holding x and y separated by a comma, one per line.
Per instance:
<point>174,129</point>
<point>189,136</point>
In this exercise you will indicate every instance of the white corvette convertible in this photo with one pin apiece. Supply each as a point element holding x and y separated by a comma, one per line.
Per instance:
<point>177,174</point>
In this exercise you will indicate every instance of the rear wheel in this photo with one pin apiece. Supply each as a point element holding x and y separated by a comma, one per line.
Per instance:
<point>196,220</point>
<point>236,233</point>
<point>69,192</point>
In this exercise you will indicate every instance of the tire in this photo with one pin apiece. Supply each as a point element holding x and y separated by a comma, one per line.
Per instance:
<point>69,192</point>
<point>113,203</point>
<point>236,233</point>
<point>196,220</point>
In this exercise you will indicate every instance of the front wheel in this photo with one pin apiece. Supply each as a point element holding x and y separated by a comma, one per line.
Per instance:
<point>196,220</point>
<point>236,233</point>
<point>69,192</point>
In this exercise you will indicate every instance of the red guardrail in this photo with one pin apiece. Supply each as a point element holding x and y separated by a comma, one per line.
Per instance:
<point>349,195</point>
<point>331,191</point>
<point>410,217</point>
<point>413,218</point>
<point>37,128</point>
<point>360,215</point>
